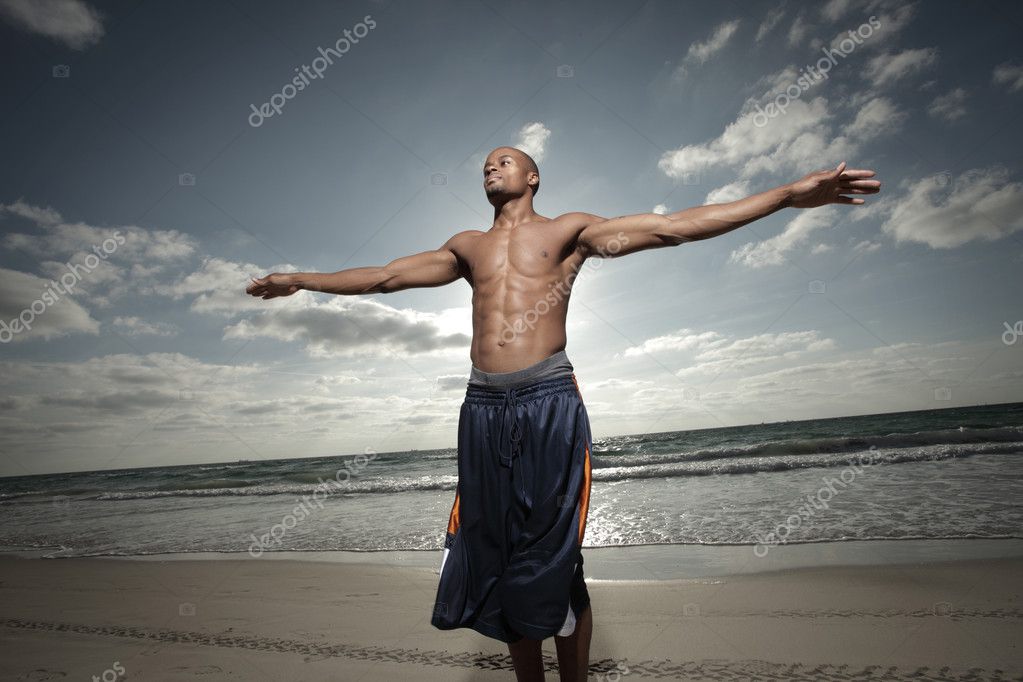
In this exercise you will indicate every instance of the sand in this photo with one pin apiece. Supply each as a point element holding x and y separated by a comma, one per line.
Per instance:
<point>245,619</point>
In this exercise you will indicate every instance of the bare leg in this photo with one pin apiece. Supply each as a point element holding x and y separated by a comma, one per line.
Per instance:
<point>574,650</point>
<point>527,658</point>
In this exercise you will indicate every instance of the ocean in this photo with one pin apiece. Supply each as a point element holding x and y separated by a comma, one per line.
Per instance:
<point>953,473</point>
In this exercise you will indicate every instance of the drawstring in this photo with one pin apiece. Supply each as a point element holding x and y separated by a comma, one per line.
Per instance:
<point>511,430</point>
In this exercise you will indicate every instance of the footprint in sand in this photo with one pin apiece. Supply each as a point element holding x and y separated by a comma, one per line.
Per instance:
<point>44,674</point>
<point>199,670</point>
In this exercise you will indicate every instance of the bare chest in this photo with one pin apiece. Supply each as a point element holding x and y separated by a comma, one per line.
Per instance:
<point>531,252</point>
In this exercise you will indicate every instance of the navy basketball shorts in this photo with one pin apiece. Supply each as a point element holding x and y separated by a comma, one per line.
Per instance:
<point>512,564</point>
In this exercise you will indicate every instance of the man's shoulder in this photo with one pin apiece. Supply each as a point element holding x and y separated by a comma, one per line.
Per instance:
<point>462,240</point>
<point>578,218</point>
<point>464,235</point>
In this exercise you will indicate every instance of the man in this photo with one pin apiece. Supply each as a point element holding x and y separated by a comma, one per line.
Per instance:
<point>512,565</point>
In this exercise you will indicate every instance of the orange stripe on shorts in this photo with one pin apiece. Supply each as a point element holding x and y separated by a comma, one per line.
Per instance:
<point>453,520</point>
<point>584,497</point>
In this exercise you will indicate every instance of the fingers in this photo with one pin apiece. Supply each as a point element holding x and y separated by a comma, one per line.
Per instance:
<point>841,167</point>
<point>847,200</point>
<point>258,286</point>
<point>860,187</point>
<point>856,173</point>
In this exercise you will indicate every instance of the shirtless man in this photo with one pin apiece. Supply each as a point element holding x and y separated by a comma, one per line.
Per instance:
<point>512,546</point>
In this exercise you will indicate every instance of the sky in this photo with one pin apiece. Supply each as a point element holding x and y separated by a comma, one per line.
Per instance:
<point>157,155</point>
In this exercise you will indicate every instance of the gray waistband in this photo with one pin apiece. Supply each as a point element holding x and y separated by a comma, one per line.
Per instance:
<point>551,366</point>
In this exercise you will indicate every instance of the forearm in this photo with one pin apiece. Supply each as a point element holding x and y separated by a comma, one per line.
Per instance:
<point>704,222</point>
<point>353,281</point>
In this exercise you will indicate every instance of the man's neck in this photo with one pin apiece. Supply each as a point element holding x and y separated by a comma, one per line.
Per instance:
<point>514,213</point>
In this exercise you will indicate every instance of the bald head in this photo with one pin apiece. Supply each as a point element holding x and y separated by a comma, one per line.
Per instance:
<point>523,160</point>
<point>532,167</point>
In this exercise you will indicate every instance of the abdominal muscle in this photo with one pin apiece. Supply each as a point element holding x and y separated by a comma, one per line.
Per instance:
<point>521,283</point>
<point>518,320</point>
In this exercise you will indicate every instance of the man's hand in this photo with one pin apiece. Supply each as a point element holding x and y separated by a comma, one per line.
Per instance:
<point>829,186</point>
<point>272,285</point>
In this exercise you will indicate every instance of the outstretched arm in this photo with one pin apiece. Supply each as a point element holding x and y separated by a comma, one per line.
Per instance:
<point>606,238</point>
<point>427,269</point>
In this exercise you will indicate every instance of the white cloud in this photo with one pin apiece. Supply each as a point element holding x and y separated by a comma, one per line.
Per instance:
<point>834,10</point>
<point>742,139</point>
<point>712,352</point>
<point>127,254</point>
<point>354,327</point>
<point>866,246</point>
<point>726,193</point>
<point>680,340</point>
<point>1009,74</point>
<point>72,22</point>
<point>771,20</point>
<point>135,326</point>
<point>660,209</point>
<point>452,382</point>
<point>893,17</point>
<point>700,52</point>
<point>32,308</point>
<point>979,204</point>
<point>219,288</point>
<point>878,116</point>
<point>796,142</point>
<point>890,67</point>
<point>798,31</point>
<point>772,251</point>
<point>532,139</point>
<point>37,214</point>
<point>950,107</point>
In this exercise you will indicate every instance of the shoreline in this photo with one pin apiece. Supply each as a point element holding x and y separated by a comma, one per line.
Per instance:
<point>640,563</point>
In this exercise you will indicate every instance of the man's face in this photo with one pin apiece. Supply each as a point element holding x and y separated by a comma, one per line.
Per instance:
<point>504,173</point>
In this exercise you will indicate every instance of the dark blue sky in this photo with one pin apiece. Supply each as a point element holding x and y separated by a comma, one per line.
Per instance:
<point>132,120</point>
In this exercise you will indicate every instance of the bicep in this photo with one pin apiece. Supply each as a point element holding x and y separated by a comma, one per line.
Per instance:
<point>426,269</point>
<point>612,237</point>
